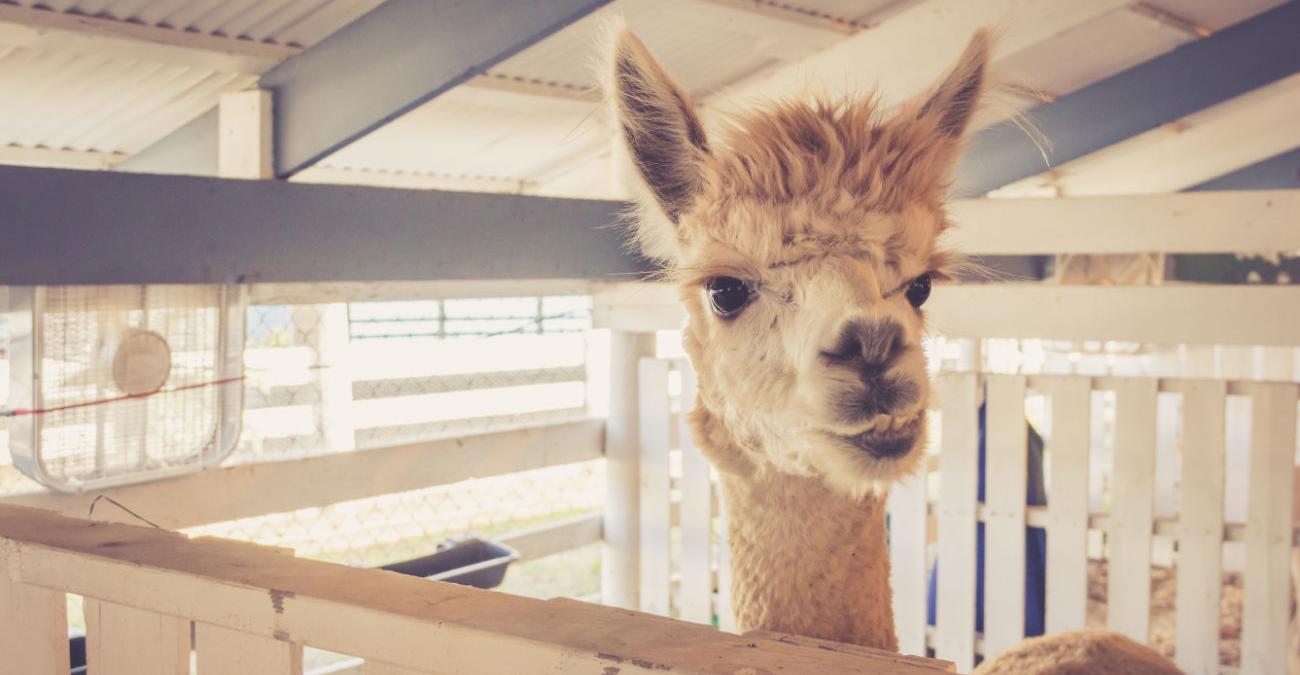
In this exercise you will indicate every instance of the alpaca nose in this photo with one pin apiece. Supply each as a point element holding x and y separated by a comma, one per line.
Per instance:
<point>869,347</point>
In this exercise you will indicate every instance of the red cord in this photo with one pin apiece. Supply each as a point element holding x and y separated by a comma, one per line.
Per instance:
<point>115,399</point>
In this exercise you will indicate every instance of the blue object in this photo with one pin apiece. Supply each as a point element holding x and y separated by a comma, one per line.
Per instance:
<point>1035,544</point>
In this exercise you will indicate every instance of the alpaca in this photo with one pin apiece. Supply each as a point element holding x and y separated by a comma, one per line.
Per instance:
<point>804,248</point>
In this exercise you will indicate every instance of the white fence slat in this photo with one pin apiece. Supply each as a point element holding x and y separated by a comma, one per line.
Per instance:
<point>959,466</point>
<point>1005,476</point>
<point>1132,503</point>
<point>1067,505</point>
<point>1200,531</point>
<point>123,640</point>
<point>1265,596</point>
<point>33,627</point>
<point>696,600</point>
<point>656,512</point>
<point>222,651</point>
<point>908,522</point>
<point>621,554</point>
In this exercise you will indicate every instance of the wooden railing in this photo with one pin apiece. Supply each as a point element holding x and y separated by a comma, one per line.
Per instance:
<point>252,609</point>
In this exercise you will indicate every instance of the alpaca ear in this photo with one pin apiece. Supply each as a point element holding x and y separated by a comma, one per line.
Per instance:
<point>662,134</point>
<point>953,101</point>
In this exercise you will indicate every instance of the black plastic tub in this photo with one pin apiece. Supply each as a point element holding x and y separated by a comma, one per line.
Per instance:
<point>469,561</point>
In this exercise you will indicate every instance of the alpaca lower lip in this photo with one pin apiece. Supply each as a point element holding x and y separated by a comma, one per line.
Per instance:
<point>888,443</point>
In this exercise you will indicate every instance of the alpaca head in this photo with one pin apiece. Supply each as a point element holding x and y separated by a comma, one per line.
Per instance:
<point>804,246</point>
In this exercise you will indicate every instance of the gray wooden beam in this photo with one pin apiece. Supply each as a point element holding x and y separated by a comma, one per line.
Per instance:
<point>1193,77</point>
<point>90,227</point>
<point>389,61</point>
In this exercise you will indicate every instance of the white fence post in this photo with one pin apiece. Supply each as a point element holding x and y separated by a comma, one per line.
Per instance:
<point>959,465</point>
<point>620,560</point>
<point>1128,592</point>
<point>908,530</point>
<point>1200,531</point>
<point>33,627</point>
<point>696,485</point>
<point>1005,476</point>
<point>1067,508</point>
<point>1265,597</point>
<point>656,505</point>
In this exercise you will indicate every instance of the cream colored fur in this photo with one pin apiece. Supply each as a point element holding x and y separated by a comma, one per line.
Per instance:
<point>829,210</point>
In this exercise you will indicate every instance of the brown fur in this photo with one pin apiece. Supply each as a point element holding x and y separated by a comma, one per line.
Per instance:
<point>827,211</point>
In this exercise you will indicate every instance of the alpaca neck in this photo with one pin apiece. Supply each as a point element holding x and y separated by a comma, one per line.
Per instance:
<point>807,561</point>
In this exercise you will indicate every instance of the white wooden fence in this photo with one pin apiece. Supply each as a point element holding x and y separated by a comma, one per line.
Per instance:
<point>687,575</point>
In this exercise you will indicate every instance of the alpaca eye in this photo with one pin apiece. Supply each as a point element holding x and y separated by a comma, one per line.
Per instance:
<point>919,290</point>
<point>728,295</point>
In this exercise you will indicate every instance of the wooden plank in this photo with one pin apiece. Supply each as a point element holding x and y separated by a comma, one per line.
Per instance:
<point>301,293</point>
<point>620,568</point>
<point>381,668</point>
<point>557,537</point>
<point>122,640</point>
<point>908,524</point>
<point>655,505</point>
<point>1132,501</point>
<point>1200,531</point>
<point>33,627</point>
<point>726,614</point>
<point>372,614</point>
<point>222,651</point>
<point>1233,315</point>
<point>255,489</point>
<point>696,484</point>
<point>1181,222</point>
<point>959,468</point>
<point>244,135</point>
<point>1265,602</point>
<point>1005,477</point>
<point>841,647</point>
<point>1067,509</point>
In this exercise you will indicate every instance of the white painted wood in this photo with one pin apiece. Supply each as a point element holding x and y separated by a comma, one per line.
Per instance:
<point>1224,314</point>
<point>949,23</point>
<point>99,37</point>
<point>1005,477</point>
<point>656,525</point>
<point>908,524</point>
<point>335,378</point>
<point>400,620</point>
<point>122,640</point>
<point>58,158</point>
<point>244,135</point>
<point>256,489</point>
<point>1067,504</point>
<point>1240,315</point>
<point>1187,222</point>
<point>1200,531</point>
<point>959,467</point>
<point>620,568</point>
<point>33,627</point>
<point>222,651</point>
<point>557,537</point>
<point>381,668</point>
<point>696,485</point>
<point>303,293</point>
<point>1265,601</point>
<point>1132,502</point>
<point>1183,153</point>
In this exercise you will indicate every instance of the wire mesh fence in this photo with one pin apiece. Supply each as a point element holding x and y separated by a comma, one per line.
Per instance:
<point>341,377</point>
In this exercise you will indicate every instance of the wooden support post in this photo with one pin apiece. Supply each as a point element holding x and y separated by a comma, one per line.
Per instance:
<point>33,628</point>
<point>908,525</point>
<point>222,651</point>
<point>244,139</point>
<point>335,377</point>
<point>123,640</point>
<point>620,561</point>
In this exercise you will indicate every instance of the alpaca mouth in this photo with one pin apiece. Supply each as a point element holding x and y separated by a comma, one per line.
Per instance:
<point>887,441</point>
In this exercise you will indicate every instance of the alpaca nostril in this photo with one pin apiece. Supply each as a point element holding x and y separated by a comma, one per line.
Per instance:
<point>869,346</point>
